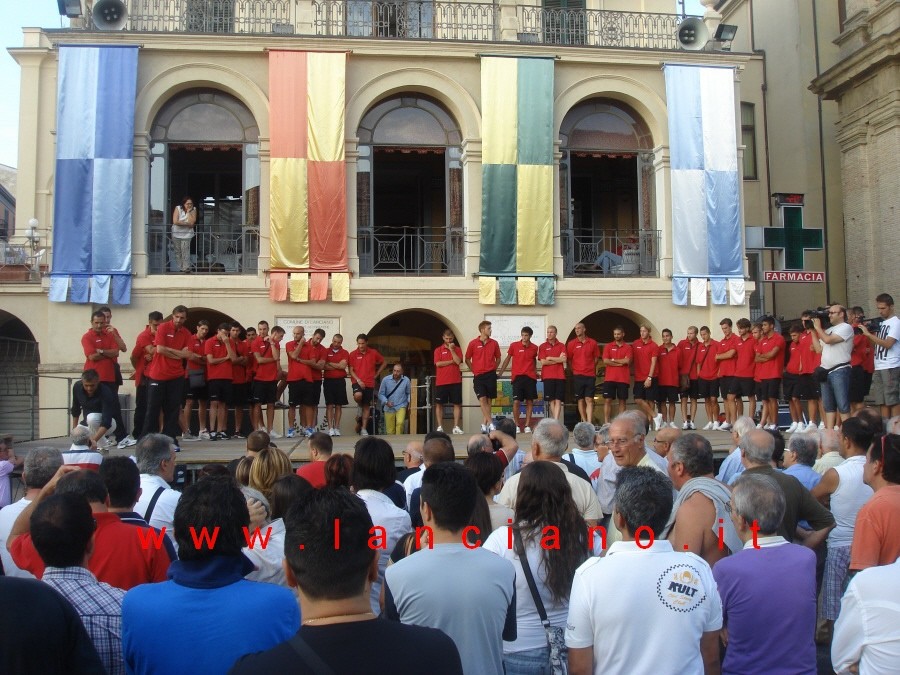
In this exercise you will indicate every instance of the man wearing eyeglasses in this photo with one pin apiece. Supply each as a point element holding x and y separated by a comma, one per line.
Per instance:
<point>835,345</point>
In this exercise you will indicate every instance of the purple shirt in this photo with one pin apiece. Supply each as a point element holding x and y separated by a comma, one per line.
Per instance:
<point>766,635</point>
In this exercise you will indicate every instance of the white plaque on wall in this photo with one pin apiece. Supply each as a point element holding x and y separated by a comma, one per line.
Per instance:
<point>506,328</point>
<point>330,324</point>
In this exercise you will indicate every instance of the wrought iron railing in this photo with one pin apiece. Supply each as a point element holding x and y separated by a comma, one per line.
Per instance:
<point>410,19</point>
<point>611,253</point>
<point>598,28</point>
<point>209,16</point>
<point>220,251</point>
<point>410,251</point>
<point>21,259</point>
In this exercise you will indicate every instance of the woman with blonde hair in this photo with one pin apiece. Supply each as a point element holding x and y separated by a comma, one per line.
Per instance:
<point>270,465</point>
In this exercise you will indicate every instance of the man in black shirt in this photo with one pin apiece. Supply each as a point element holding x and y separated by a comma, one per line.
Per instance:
<point>97,406</point>
<point>333,577</point>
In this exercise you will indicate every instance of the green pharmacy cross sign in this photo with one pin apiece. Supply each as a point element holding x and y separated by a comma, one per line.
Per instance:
<point>792,237</point>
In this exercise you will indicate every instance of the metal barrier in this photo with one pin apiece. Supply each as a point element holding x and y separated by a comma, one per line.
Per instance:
<point>226,250</point>
<point>598,28</point>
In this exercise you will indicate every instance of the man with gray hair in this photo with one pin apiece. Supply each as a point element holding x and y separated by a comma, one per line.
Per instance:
<point>548,444</point>
<point>756,454</point>
<point>732,467</point>
<point>657,590</point>
<point>155,455</point>
<point>799,459</point>
<point>80,453</point>
<point>699,521</point>
<point>583,454</point>
<point>757,643</point>
<point>40,466</point>
<point>829,451</point>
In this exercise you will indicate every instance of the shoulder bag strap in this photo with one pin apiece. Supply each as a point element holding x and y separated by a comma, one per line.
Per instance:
<point>396,387</point>
<point>152,505</point>
<point>309,657</point>
<point>529,577</point>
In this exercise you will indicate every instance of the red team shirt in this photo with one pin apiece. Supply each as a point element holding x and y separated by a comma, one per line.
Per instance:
<point>770,370</point>
<point>365,365</point>
<point>239,372</point>
<point>450,374</point>
<point>583,357</point>
<point>687,358</point>
<point>809,358</point>
<point>745,366</point>
<point>706,360</point>
<point>667,366</point>
<point>311,352</point>
<point>484,355</point>
<point>523,359</point>
<point>794,351</point>
<point>197,346</point>
<point>264,372</point>
<point>219,371</point>
<point>728,367</point>
<point>105,367</point>
<point>144,340</point>
<point>162,367</point>
<point>643,355</point>
<point>555,371</point>
<point>617,373</point>
<point>336,356</point>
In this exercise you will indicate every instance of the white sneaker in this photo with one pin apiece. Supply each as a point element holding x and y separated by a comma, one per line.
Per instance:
<point>204,435</point>
<point>189,438</point>
<point>441,429</point>
<point>691,426</point>
<point>526,430</point>
<point>274,434</point>
<point>686,425</point>
<point>672,425</point>
<point>812,426</point>
<point>759,426</point>
<point>772,427</point>
<point>127,442</point>
<point>484,428</point>
<point>330,431</point>
<point>457,431</point>
<point>363,432</point>
<point>725,426</point>
<point>658,421</point>
<point>836,428</point>
<point>491,427</point>
<point>716,426</point>
<point>821,426</point>
<point>791,429</point>
<point>105,443</point>
<point>337,432</point>
<point>709,425</point>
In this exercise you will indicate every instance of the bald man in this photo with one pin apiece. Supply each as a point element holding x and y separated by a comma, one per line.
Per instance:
<point>662,441</point>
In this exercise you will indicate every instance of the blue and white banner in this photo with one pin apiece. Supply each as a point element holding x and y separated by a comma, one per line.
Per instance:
<point>94,167</point>
<point>707,237</point>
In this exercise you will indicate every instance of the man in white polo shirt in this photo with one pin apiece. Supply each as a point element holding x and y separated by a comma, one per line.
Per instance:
<point>643,607</point>
<point>155,455</point>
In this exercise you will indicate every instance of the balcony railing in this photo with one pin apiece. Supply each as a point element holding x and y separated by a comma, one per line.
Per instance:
<point>598,28</point>
<point>411,19</point>
<point>21,259</point>
<point>408,251</point>
<point>224,251</point>
<point>610,253</point>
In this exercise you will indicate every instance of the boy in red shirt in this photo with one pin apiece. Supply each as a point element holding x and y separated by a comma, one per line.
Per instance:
<point>552,355</point>
<point>708,377</point>
<point>687,360</point>
<point>334,383</point>
<point>312,356</point>
<point>727,359</point>
<point>240,394</point>
<point>141,356</point>
<point>668,369</point>
<point>220,356</point>
<point>809,389</point>
<point>743,383</point>
<point>365,367</point>
<point>646,371</point>
<point>448,357</point>
<point>166,374</point>
<point>617,357</point>
<point>769,357</point>
<point>582,354</point>
<point>482,358</point>
<point>524,355</point>
<point>266,350</point>
<point>790,381</point>
<point>195,385</point>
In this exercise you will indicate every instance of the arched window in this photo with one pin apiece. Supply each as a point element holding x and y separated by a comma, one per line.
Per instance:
<point>409,189</point>
<point>606,191</point>
<point>205,145</point>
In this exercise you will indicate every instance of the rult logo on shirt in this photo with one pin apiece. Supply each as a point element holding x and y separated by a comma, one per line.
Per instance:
<point>679,588</point>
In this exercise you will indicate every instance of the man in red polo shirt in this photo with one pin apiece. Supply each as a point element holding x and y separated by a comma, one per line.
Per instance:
<point>195,386</point>
<point>165,390</point>
<point>312,355</point>
<point>617,357</point>
<point>708,377</point>
<point>809,388</point>
<point>582,353</point>
<point>667,390</point>
<point>448,383</point>
<point>334,383</point>
<point>727,359</point>
<point>524,355</point>
<point>482,358</point>
<point>365,367</point>
<point>687,373</point>
<point>220,356</point>
<point>790,381</point>
<point>552,355</point>
<point>240,388</point>
<point>141,356</point>
<point>266,350</point>
<point>770,356</point>
<point>101,349</point>
<point>645,353</point>
<point>320,448</point>
<point>862,362</point>
<point>744,369</point>
<point>297,375</point>
<point>117,382</point>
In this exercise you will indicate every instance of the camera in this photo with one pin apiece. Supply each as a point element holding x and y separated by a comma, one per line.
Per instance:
<point>821,313</point>
<point>873,324</point>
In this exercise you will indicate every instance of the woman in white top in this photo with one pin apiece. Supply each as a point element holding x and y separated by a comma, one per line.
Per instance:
<point>184,217</point>
<point>543,500</point>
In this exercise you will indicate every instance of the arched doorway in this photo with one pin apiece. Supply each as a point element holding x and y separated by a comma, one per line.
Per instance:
<point>205,145</point>
<point>19,360</point>
<point>606,191</point>
<point>409,189</point>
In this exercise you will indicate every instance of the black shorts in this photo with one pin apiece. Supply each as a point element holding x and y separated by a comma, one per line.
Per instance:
<point>742,386</point>
<point>485,385</point>
<point>335,391</point>
<point>667,394</point>
<point>195,393</point>
<point>707,389</point>
<point>770,388</point>
<point>691,391</point>
<point>808,388</point>
<point>615,390</point>
<point>311,393</point>
<point>263,393</point>
<point>790,385</point>
<point>449,393</point>
<point>645,393</point>
<point>367,394</point>
<point>585,386</point>
<point>725,384</point>
<point>299,393</point>
<point>220,390</point>
<point>860,383</point>
<point>554,390</point>
<point>524,388</point>
<point>240,394</point>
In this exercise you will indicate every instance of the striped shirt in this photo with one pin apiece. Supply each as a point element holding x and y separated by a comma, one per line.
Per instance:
<point>100,607</point>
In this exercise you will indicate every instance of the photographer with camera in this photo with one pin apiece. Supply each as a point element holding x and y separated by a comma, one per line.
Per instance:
<point>885,335</point>
<point>835,345</point>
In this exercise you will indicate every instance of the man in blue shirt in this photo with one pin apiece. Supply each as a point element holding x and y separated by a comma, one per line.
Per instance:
<point>394,397</point>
